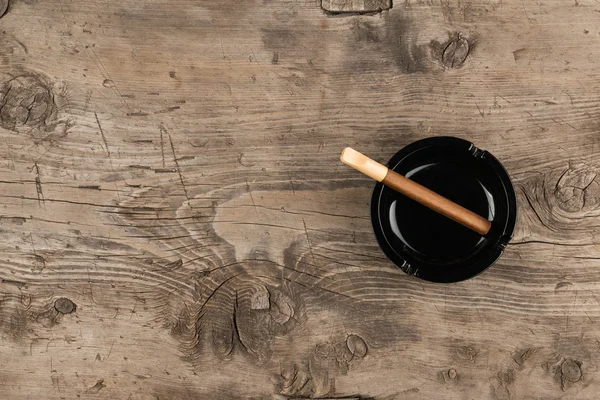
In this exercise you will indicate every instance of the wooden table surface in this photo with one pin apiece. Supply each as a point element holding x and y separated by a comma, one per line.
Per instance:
<point>175,222</point>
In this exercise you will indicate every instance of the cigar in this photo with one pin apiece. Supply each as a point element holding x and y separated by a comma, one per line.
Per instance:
<point>417,192</point>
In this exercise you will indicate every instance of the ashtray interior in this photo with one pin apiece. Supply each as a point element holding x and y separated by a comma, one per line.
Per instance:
<point>431,246</point>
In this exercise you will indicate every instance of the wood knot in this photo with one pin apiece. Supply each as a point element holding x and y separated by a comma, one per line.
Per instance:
<point>282,308</point>
<point>577,189</point>
<point>455,53</point>
<point>249,319</point>
<point>27,100</point>
<point>452,373</point>
<point>467,353</point>
<point>507,377</point>
<point>223,339</point>
<point>297,382</point>
<point>357,346</point>
<point>501,388</point>
<point>341,353</point>
<point>522,355</point>
<point>64,306</point>
<point>570,371</point>
<point>561,201</point>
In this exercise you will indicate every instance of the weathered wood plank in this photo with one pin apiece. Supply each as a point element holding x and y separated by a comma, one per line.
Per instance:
<point>171,168</point>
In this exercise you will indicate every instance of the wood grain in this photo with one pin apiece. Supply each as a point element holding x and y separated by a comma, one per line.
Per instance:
<point>175,222</point>
<point>357,6</point>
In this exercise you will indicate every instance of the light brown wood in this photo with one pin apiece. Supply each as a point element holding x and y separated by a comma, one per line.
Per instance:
<point>341,6</point>
<point>171,167</point>
<point>415,191</point>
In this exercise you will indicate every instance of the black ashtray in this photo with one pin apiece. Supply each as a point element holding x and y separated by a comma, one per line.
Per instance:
<point>428,245</point>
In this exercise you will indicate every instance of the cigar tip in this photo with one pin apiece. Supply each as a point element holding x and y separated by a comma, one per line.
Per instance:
<point>343,155</point>
<point>349,156</point>
<point>363,164</point>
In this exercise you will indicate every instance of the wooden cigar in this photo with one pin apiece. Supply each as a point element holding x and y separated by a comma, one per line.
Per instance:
<point>417,192</point>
